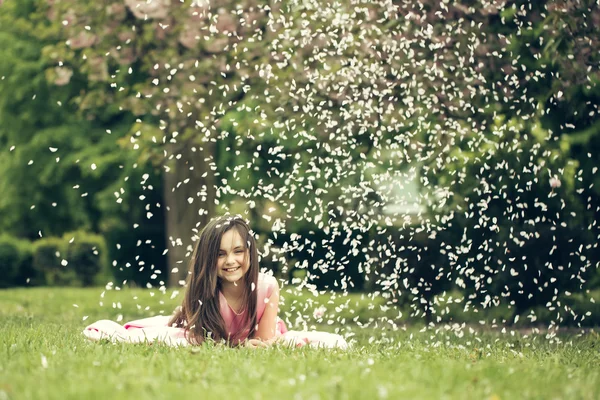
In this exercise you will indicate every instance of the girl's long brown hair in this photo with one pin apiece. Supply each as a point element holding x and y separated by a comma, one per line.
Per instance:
<point>200,313</point>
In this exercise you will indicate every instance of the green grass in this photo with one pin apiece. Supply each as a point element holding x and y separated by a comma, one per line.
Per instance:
<point>435,363</point>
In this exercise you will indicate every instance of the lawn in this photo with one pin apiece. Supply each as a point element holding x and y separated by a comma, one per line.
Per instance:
<point>44,356</point>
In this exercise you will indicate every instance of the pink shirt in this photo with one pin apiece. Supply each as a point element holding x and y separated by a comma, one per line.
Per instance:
<point>234,322</point>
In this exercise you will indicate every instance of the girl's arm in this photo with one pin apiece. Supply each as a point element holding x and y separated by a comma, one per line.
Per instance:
<point>268,323</point>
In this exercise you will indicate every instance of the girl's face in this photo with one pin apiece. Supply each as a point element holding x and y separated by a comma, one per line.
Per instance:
<point>232,261</point>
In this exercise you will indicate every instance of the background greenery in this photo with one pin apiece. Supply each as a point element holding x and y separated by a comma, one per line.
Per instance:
<point>95,151</point>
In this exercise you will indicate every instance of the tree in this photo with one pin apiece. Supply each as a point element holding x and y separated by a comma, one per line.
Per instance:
<point>183,113</point>
<point>308,111</point>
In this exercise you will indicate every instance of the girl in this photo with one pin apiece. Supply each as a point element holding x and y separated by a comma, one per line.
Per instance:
<point>227,299</point>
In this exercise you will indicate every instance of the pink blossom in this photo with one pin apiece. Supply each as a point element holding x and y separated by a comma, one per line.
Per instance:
<point>63,76</point>
<point>216,45</point>
<point>116,11</point>
<point>98,70</point>
<point>192,28</point>
<point>124,36</point>
<point>152,9</point>
<point>82,40</point>
<point>226,23</point>
<point>125,56</point>
<point>189,37</point>
<point>554,182</point>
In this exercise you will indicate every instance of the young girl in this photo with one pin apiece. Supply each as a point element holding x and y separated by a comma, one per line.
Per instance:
<point>226,299</point>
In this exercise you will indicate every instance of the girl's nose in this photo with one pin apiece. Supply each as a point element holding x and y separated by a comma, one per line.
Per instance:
<point>230,259</point>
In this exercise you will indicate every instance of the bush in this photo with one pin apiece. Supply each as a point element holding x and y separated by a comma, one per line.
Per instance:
<point>75,259</point>
<point>86,255</point>
<point>48,254</point>
<point>135,255</point>
<point>27,275</point>
<point>15,261</point>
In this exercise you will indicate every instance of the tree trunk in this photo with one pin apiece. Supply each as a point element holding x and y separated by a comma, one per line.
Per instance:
<point>181,216</point>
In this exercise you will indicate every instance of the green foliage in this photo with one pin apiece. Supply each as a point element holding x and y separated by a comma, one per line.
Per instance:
<point>133,226</point>
<point>27,274</point>
<point>519,216</point>
<point>510,208</point>
<point>75,259</point>
<point>15,261</point>
<point>48,256</point>
<point>66,166</point>
<point>10,261</point>
<point>37,117</point>
<point>119,95</point>
<point>87,255</point>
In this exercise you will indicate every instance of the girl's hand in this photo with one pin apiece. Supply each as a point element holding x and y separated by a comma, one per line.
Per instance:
<point>255,343</point>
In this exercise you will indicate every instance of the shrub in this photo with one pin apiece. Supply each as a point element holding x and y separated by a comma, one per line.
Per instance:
<point>15,261</point>
<point>27,275</point>
<point>86,255</point>
<point>48,254</point>
<point>136,254</point>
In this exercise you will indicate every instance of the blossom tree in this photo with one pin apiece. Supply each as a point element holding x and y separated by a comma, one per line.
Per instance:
<point>317,113</point>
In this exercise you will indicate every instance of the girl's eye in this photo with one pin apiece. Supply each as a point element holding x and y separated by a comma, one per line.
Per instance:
<point>238,252</point>
<point>221,254</point>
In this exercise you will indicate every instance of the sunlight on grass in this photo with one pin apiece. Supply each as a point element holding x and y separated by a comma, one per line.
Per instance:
<point>44,355</point>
